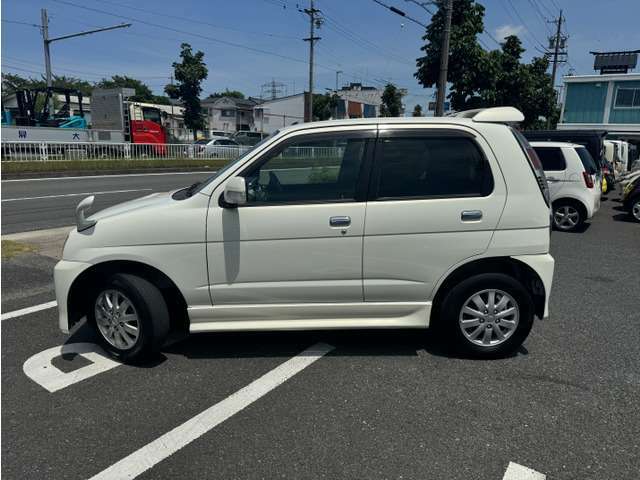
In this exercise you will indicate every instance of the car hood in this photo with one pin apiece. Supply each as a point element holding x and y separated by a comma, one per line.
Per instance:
<point>150,201</point>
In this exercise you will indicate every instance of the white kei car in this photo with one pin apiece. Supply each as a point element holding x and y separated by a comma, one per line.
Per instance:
<point>368,223</point>
<point>574,184</point>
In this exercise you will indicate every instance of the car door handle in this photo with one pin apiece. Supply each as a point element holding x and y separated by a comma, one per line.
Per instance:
<point>471,215</point>
<point>340,221</point>
<point>552,179</point>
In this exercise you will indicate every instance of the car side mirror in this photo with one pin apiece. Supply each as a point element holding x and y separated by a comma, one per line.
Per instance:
<point>235,191</point>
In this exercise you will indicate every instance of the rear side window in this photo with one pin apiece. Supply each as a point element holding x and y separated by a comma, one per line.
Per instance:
<point>551,158</point>
<point>424,167</point>
<point>587,160</point>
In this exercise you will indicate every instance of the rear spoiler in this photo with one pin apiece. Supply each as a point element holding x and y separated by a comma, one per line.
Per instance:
<point>493,115</point>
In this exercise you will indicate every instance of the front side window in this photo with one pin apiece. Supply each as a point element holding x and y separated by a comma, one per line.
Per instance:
<point>312,169</point>
<point>423,167</point>
<point>552,158</point>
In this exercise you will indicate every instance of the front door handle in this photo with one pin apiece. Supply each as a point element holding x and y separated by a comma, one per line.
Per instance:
<point>471,215</point>
<point>340,221</point>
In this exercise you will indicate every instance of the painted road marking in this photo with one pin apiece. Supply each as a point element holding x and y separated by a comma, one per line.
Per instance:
<point>75,195</point>
<point>146,457</point>
<point>109,176</point>
<point>518,472</point>
<point>28,310</point>
<point>40,369</point>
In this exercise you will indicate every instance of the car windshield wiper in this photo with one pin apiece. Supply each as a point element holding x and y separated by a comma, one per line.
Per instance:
<point>192,189</point>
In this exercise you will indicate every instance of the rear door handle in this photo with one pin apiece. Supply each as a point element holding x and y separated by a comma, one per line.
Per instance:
<point>340,221</point>
<point>471,215</point>
<point>553,179</point>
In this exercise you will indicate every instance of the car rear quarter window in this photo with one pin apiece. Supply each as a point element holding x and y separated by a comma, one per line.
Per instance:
<point>428,166</point>
<point>587,160</point>
<point>552,158</point>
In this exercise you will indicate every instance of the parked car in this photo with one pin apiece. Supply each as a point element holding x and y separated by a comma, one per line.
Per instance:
<point>248,138</point>
<point>608,176</point>
<point>456,234</point>
<point>213,147</point>
<point>573,183</point>
<point>631,198</point>
<point>592,140</point>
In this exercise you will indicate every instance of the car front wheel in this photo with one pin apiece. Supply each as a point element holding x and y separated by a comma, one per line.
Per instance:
<point>488,315</point>
<point>635,209</point>
<point>130,316</point>
<point>567,216</point>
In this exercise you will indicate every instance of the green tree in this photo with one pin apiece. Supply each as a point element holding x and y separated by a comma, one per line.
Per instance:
<point>324,106</point>
<point>143,92</point>
<point>391,101</point>
<point>467,72</point>
<point>12,82</point>
<point>417,111</point>
<point>228,93</point>
<point>189,74</point>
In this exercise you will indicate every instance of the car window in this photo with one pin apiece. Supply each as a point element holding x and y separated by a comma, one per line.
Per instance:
<point>552,158</point>
<point>431,167</point>
<point>587,160</point>
<point>308,170</point>
<point>202,142</point>
<point>226,142</point>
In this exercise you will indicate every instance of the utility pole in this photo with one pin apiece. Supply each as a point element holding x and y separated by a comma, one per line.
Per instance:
<point>558,43</point>
<point>313,20</point>
<point>338,72</point>
<point>48,41</point>
<point>444,59</point>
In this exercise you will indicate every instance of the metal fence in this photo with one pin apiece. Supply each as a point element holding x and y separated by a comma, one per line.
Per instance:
<point>59,151</point>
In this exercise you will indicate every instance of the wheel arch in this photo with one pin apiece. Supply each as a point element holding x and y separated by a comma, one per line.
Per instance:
<point>517,269</point>
<point>578,202</point>
<point>84,286</point>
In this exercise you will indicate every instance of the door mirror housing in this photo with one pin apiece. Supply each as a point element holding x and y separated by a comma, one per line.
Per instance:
<point>235,191</point>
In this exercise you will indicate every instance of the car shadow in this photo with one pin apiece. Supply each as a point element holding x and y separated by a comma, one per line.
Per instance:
<point>361,343</point>
<point>623,217</point>
<point>581,229</point>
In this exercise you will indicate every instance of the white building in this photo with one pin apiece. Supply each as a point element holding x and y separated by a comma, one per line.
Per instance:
<point>271,115</point>
<point>229,114</point>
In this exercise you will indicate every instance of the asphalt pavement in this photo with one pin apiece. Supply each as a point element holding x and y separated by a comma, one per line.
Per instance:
<point>379,404</point>
<point>34,204</point>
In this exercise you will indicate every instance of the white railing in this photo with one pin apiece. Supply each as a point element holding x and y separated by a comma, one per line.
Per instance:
<point>59,151</point>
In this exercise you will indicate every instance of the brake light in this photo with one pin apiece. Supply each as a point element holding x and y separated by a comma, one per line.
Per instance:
<point>588,181</point>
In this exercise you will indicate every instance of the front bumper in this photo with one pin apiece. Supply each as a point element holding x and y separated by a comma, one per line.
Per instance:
<point>64,274</point>
<point>543,265</point>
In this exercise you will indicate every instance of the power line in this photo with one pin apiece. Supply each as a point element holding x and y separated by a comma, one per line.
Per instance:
<point>192,20</point>
<point>529,32</point>
<point>544,19</point>
<point>21,23</point>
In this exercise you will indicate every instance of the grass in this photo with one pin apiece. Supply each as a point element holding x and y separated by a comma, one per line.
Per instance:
<point>108,165</point>
<point>10,248</point>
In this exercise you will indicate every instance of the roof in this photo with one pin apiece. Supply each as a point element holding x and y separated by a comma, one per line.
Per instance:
<point>618,77</point>
<point>463,118</point>
<point>237,102</point>
<point>555,144</point>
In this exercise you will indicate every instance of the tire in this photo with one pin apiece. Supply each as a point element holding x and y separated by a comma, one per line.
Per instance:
<point>513,327</point>
<point>131,340</point>
<point>568,215</point>
<point>634,208</point>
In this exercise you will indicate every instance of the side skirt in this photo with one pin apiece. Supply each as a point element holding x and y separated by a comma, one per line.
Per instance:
<point>309,316</point>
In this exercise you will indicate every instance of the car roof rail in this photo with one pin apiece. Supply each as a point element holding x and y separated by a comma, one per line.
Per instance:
<point>493,115</point>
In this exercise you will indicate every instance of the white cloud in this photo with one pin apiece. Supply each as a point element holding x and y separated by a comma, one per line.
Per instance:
<point>505,30</point>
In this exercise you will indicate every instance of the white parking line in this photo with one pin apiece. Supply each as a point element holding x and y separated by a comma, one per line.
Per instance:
<point>28,310</point>
<point>146,457</point>
<point>82,177</point>
<point>75,194</point>
<point>518,472</point>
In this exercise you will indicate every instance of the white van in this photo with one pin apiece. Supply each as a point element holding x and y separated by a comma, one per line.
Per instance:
<point>369,223</point>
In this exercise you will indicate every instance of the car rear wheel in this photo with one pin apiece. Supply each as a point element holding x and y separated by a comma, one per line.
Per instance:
<point>488,315</point>
<point>130,316</point>
<point>635,209</point>
<point>567,216</point>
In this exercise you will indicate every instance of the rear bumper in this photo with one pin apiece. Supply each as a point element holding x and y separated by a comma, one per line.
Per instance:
<point>543,265</point>
<point>64,274</point>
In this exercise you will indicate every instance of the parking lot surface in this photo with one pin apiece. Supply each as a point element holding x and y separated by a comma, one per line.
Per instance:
<point>379,404</point>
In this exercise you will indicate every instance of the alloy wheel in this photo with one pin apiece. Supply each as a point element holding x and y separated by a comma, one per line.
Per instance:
<point>117,319</point>
<point>489,317</point>
<point>566,217</point>
<point>635,210</point>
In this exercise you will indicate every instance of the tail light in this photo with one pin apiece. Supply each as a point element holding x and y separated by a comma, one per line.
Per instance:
<point>605,170</point>
<point>588,181</point>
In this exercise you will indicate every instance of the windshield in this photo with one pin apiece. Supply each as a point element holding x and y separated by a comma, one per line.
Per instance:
<point>204,141</point>
<point>232,163</point>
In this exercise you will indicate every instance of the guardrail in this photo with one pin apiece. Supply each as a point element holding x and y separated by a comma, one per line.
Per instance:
<point>60,151</point>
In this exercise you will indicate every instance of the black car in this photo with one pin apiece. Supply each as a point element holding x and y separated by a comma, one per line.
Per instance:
<point>631,199</point>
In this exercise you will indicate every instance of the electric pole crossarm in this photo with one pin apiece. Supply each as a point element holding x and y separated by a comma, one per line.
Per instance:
<point>88,32</point>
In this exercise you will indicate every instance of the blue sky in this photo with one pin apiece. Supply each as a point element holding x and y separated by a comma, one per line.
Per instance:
<point>361,38</point>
